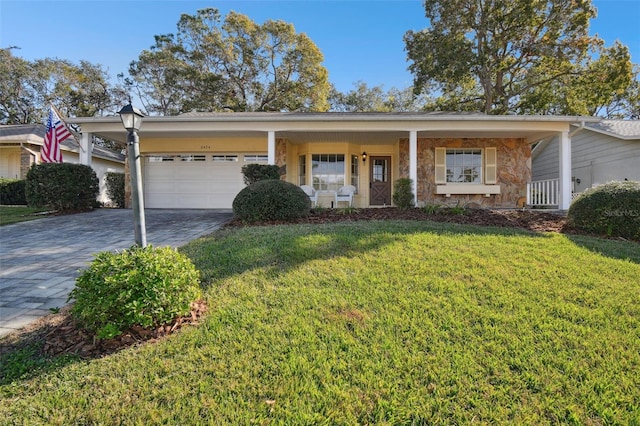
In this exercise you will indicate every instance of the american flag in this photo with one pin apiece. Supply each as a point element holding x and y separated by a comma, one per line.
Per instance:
<point>56,132</point>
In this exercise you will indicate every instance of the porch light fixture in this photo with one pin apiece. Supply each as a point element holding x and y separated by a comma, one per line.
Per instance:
<point>364,156</point>
<point>131,120</point>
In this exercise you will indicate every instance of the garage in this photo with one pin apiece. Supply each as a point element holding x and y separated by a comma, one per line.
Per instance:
<point>194,181</point>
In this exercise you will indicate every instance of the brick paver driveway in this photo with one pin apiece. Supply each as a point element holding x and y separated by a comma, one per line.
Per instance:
<point>40,259</point>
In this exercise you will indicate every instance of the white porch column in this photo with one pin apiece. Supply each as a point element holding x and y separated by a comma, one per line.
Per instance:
<point>413,163</point>
<point>271,147</point>
<point>565,171</point>
<point>86,148</point>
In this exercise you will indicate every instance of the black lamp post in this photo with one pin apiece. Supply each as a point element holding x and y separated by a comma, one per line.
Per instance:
<point>131,120</point>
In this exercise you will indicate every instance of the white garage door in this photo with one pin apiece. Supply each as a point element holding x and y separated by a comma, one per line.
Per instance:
<point>194,181</point>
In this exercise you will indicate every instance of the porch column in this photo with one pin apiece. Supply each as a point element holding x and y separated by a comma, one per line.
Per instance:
<point>565,171</point>
<point>86,148</point>
<point>413,163</point>
<point>271,147</point>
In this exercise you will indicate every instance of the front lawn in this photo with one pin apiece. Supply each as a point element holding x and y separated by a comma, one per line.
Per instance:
<point>373,323</point>
<point>15,214</point>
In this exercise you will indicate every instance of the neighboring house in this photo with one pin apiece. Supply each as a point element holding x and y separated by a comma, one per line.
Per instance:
<point>601,152</point>
<point>194,160</point>
<point>20,149</point>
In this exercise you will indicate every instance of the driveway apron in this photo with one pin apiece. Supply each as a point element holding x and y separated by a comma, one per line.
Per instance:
<point>40,259</point>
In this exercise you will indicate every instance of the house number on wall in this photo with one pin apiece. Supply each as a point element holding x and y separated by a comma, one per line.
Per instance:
<point>205,146</point>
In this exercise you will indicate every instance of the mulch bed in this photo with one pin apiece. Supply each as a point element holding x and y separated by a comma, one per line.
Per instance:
<point>61,335</point>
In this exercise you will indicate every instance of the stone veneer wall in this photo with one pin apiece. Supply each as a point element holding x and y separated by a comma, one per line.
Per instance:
<point>26,161</point>
<point>281,157</point>
<point>514,170</point>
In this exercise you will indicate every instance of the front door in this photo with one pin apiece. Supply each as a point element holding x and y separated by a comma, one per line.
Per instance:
<point>380,181</point>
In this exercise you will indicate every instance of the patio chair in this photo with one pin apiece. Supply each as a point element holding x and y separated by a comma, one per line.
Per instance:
<point>345,194</point>
<point>311,193</point>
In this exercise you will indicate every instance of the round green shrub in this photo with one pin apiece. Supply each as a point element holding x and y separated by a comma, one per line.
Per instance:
<point>62,186</point>
<point>271,200</point>
<point>612,209</point>
<point>139,286</point>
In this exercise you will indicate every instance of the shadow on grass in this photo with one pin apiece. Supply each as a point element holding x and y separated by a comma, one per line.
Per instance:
<point>281,248</point>
<point>615,249</point>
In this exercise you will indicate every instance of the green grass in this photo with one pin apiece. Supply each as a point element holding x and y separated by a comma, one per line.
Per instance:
<point>374,323</point>
<point>15,214</point>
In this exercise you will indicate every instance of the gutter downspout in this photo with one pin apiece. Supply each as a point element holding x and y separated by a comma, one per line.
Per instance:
<point>578,130</point>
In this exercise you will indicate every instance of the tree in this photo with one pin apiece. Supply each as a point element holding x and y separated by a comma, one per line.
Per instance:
<point>507,48</point>
<point>596,87</point>
<point>17,104</point>
<point>234,64</point>
<point>27,89</point>
<point>374,99</point>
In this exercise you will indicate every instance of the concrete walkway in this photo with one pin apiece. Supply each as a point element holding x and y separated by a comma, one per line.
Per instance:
<point>40,259</point>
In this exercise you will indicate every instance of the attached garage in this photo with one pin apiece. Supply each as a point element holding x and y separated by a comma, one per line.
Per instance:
<point>196,181</point>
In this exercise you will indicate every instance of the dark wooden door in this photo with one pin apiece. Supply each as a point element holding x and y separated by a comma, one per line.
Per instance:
<point>380,181</point>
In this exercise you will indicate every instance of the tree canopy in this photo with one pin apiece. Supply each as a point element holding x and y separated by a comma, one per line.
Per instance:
<point>516,56</point>
<point>28,87</point>
<point>213,64</point>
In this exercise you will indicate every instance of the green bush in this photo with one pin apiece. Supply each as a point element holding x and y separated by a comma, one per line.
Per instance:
<point>403,196</point>
<point>115,188</point>
<point>12,192</point>
<point>140,286</point>
<point>256,172</point>
<point>271,200</point>
<point>612,209</point>
<point>62,186</point>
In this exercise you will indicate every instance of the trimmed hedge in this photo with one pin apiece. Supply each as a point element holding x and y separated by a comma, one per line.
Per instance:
<point>271,200</point>
<point>147,286</point>
<point>12,192</point>
<point>612,209</point>
<point>62,186</point>
<point>115,188</point>
<point>256,172</point>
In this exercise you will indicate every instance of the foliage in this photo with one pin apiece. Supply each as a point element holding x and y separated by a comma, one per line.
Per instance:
<point>403,196</point>
<point>502,56</point>
<point>115,188</point>
<point>253,173</point>
<point>62,186</point>
<point>431,208</point>
<point>377,322</point>
<point>271,200</point>
<point>28,87</point>
<point>12,191</point>
<point>611,209</point>
<point>375,99</point>
<point>139,286</point>
<point>214,65</point>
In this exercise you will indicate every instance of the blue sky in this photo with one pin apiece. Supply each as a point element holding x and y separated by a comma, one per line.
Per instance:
<point>360,39</point>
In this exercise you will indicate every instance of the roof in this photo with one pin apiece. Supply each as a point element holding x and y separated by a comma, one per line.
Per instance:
<point>622,129</point>
<point>34,134</point>
<point>301,127</point>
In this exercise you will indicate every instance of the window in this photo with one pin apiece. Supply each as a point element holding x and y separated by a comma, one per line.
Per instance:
<point>464,166</point>
<point>469,165</point>
<point>327,171</point>
<point>230,158</point>
<point>302,170</point>
<point>355,177</point>
<point>160,158</point>
<point>256,158</point>
<point>195,157</point>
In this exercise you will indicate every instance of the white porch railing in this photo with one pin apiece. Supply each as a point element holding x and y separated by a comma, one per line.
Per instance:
<point>543,192</point>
